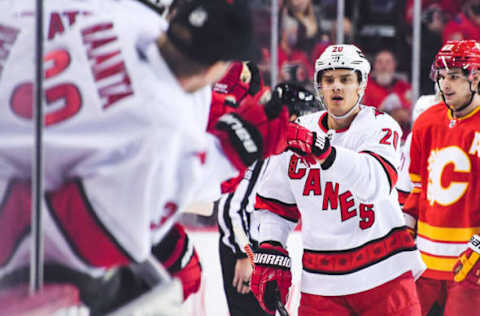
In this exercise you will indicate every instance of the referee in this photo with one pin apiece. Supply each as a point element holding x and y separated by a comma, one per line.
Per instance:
<point>237,228</point>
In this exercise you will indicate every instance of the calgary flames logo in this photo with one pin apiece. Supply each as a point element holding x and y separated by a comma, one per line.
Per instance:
<point>442,188</point>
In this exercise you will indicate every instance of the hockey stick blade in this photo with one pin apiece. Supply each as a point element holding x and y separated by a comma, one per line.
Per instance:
<point>279,305</point>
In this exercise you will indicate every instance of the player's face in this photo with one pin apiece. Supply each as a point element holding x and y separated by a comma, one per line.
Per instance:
<point>454,86</point>
<point>340,90</point>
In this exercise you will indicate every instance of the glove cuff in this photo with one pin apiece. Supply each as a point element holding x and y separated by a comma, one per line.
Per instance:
<point>330,159</point>
<point>272,256</point>
<point>240,140</point>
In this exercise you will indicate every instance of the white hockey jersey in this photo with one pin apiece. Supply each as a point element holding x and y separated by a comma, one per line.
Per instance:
<point>124,144</point>
<point>353,231</point>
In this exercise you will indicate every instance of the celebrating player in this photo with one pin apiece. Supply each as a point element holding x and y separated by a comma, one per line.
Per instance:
<point>444,167</point>
<point>340,179</point>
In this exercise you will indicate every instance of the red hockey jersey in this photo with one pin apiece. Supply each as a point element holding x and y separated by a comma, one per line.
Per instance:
<point>444,168</point>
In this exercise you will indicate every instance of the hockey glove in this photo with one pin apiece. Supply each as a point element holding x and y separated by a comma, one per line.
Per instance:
<point>253,131</point>
<point>179,257</point>
<point>468,264</point>
<point>307,143</point>
<point>242,79</point>
<point>271,274</point>
<point>221,104</point>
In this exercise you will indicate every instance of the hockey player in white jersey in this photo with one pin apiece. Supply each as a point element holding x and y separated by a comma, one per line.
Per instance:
<point>359,258</point>
<point>125,144</point>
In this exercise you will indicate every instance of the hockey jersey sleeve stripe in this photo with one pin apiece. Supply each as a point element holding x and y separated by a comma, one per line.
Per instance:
<point>439,263</point>
<point>390,170</point>
<point>416,190</point>
<point>415,177</point>
<point>287,211</point>
<point>338,262</point>
<point>462,234</point>
<point>86,234</point>
<point>15,218</point>
<point>172,248</point>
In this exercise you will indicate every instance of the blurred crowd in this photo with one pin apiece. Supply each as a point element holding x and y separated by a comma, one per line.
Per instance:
<point>381,28</point>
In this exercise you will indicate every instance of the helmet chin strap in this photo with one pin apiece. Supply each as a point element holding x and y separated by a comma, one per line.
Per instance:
<point>348,113</point>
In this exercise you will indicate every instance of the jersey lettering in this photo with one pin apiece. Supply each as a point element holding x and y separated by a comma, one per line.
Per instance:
<point>330,196</point>
<point>103,51</point>
<point>64,98</point>
<point>8,36</point>
<point>475,147</point>
<point>60,20</point>
<point>391,137</point>
<point>367,216</point>
<point>312,183</point>
<point>293,172</point>
<point>346,204</point>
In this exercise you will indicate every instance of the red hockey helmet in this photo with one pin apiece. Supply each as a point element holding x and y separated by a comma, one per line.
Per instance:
<point>463,54</point>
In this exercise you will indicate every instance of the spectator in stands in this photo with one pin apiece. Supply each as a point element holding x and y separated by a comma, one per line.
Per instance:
<point>331,38</point>
<point>466,25</point>
<point>450,7</point>
<point>302,11</point>
<point>293,63</point>
<point>433,23</point>
<point>387,92</point>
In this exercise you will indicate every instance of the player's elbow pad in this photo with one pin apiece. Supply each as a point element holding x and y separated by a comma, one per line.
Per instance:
<point>177,254</point>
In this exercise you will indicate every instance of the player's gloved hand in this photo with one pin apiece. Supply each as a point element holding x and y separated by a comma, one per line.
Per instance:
<point>307,143</point>
<point>253,131</point>
<point>468,264</point>
<point>271,274</point>
<point>221,104</point>
<point>242,79</point>
<point>179,257</point>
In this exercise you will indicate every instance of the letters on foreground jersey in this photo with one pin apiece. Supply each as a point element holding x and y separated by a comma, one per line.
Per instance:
<point>353,231</point>
<point>444,168</point>
<point>116,120</point>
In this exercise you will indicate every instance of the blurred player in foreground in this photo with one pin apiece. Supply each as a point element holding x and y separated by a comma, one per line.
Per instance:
<point>126,147</point>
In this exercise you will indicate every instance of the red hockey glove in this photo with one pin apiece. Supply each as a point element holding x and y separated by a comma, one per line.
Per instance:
<point>221,104</point>
<point>468,264</point>
<point>178,256</point>
<point>307,143</point>
<point>271,274</point>
<point>242,79</point>
<point>253,131</point>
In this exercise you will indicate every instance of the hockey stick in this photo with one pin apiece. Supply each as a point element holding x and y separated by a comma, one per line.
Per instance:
<point>278,303</point>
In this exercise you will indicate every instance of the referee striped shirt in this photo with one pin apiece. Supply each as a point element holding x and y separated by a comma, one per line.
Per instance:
<point>235,209</point>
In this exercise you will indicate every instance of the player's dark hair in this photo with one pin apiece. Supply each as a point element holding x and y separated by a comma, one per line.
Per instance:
<point>179,63</point>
